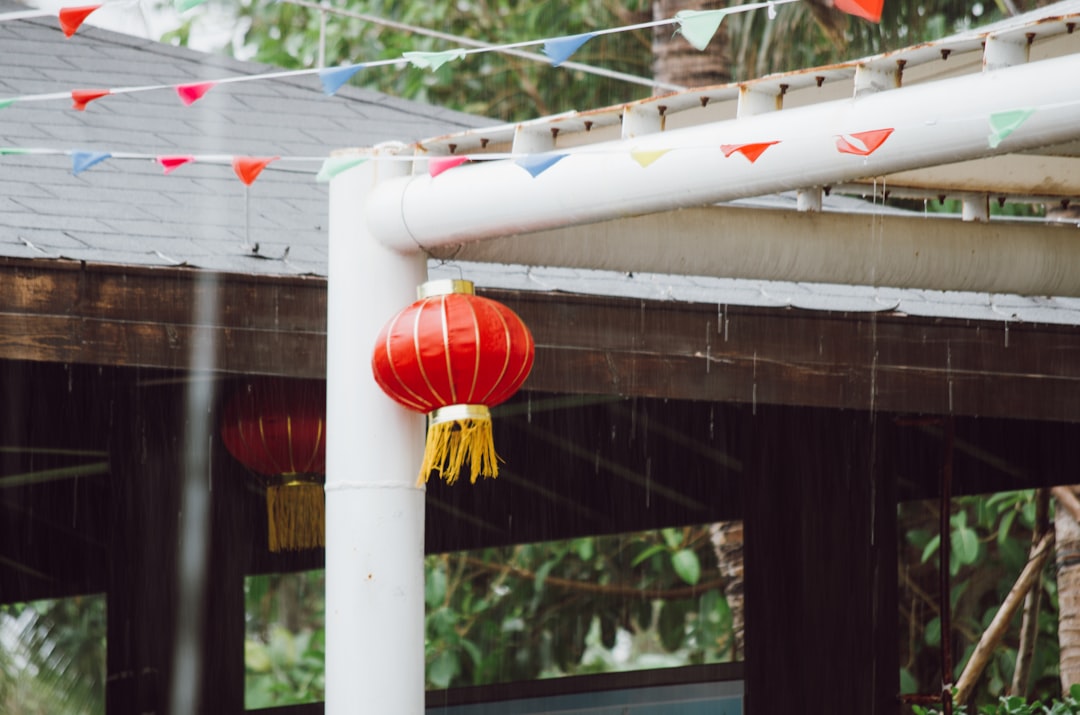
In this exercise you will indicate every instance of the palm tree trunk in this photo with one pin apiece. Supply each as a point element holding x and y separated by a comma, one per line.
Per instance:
<point>675,61</point>
<point>1068,578</point>
<point>727,540</point>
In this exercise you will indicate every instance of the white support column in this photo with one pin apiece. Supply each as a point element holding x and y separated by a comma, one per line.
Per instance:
<point>374,510</point>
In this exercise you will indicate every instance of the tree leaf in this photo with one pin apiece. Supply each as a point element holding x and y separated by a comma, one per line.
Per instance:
<point>435,587</point>
<point>965,545</point>
<point>931,548</point>
<point>443,669</point>
<point>932,632</point>
<point>686,564</point>
<point>648,553</point>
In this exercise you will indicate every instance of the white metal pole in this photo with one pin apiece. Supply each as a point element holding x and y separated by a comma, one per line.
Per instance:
<point>935,123</point>
<point>374,510</point>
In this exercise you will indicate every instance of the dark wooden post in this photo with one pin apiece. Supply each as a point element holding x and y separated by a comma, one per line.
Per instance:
<point>147,464</point>
<point>820,525</point>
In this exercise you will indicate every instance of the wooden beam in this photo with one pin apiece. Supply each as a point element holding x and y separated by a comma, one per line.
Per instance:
<point>63,311</point>
<point>120,315</point>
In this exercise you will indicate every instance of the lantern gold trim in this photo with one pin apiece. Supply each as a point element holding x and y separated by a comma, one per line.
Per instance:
<point>445,286</point>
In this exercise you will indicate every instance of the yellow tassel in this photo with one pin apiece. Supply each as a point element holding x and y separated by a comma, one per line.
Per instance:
<point>453,443</point>
<point>296,515</point>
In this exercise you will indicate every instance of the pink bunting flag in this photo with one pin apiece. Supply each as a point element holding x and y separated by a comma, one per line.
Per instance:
<point>866,9</point>
<point>438,166</point>
<point>172,163</point>
<point>862,143</point>
<point>82,97</point>
<point>191,93</point>
<point>248,168</point>
<point>71,18</point>
<point>750,151</point>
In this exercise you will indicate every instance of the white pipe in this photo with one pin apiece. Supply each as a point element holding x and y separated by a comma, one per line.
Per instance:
<point>935,123</point>
<point>374,510</point>
<point>879,249</point>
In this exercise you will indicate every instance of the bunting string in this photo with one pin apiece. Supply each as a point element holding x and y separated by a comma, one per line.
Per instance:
<point>861,144</point>
<point>698,27</point>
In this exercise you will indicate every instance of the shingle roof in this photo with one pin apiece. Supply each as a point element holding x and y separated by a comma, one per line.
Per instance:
<point>203,217</point>
<point>128,211</point>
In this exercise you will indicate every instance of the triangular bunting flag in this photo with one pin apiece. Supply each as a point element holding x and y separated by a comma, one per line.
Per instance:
<point>248,168</point>
<point>647,157</point>
<point>433,60</point>
<point>750,151</point>
<point>866,9</point>
<point>82,97</point>
<point>559,49</point>
<point>699,26</point>
<point>71,18</point>
<point>334,165</point>
<point>191,93</point>
<point>83,160</point>
<point>172,163</point>
<point>5,103</point>
<point>9,150</point>
<point>333,77</point>
<point>441,164</point>
<point>538,164</point>
<point>862,143</point>
<point>1002,124</point>
<point>185,5</point>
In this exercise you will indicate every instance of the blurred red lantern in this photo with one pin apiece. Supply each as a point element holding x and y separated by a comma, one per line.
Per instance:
<point>452,355</point>
<point>277,429</point>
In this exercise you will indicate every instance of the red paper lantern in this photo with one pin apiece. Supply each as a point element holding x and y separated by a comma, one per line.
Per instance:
<point>452,355</point>
<point>277,429</point>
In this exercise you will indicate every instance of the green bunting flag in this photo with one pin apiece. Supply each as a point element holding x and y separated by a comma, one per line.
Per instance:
<point>1002,124</point>
<point>185,5</point>
<point>334,165</point>
<point>699,26</point>
<point>5,103</point>
<point>433,60</point>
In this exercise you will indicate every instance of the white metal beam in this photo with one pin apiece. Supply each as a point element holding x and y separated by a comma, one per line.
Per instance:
<point>934,123</point>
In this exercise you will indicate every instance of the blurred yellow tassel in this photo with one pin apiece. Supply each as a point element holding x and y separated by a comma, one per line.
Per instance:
<point>296,515</point>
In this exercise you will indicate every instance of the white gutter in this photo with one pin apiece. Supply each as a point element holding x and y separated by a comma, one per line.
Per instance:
<point>935,123</point>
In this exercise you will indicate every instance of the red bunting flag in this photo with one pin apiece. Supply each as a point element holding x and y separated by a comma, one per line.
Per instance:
<point>71,18</point>
<point>248,168</point>
<point>82,97</point>
<point>172,163</point>
<point>438,166</point>
<point>191,93</point>
<point>866,9</point>
<point>862,143</point>
<point>750,151</point>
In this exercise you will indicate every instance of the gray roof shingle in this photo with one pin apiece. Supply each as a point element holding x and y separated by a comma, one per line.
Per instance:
<point>126,210</point>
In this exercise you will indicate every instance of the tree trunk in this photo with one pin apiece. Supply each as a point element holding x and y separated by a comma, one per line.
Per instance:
<point>1068,579</point>
<point>677,62</point>
<point>727,540</point>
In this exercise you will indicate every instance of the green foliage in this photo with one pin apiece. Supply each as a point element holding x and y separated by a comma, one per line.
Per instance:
<point>285,646</point>
<point>52,656</point>
<point>586,605</point>
<point>1015,705</point>
<point>989,538</point>
<point>592,604</point>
